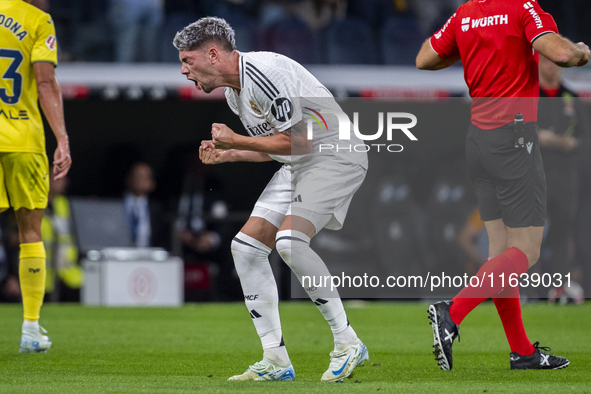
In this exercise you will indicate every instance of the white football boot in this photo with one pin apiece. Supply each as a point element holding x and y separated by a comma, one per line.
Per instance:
<point>343,360</point>
<point>267,370</point>
<point>34,341</point>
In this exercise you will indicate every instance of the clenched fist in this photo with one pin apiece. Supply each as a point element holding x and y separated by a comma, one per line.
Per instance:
<point>208,154</point>
<point>222,136</point>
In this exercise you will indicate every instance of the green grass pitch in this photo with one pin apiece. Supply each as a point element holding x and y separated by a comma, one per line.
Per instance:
<point>197,347</point>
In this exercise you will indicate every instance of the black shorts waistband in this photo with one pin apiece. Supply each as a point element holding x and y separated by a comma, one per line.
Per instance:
<point>493,134</point>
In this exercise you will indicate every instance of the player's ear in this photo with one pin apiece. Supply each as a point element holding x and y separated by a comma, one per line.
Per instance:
<point>213,54</point>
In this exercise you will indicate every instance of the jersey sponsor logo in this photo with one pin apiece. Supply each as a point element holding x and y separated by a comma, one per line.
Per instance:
<point>529,6</point>
<point>281,109</point>
<point>50,42</point>
<point>465,24</point>
<point>259,130</point>
<point>13,26</point>
<point>490,21</point>
<point>21,115</point>
<point>440,32</point>
<point>255,108</point>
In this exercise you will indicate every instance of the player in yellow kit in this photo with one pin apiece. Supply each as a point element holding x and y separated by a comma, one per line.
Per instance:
<point>28,55</point>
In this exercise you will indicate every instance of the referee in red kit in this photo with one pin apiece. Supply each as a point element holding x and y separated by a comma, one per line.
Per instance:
<point>499,42</point>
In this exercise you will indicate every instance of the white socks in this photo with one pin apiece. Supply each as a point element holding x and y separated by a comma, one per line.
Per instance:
<point>294,248</point>
<point>260,290</point>
<point>348,335</point>
<point>260,293</point>
<point>278,355</point>
<point>30,327</point>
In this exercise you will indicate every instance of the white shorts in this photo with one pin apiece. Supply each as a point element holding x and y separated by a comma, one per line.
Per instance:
<point>320,194</point>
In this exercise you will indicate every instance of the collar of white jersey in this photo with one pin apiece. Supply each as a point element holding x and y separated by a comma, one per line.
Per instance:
<point>241,70</point>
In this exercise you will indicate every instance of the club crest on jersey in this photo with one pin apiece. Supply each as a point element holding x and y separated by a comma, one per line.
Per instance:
<point>50,42</point>
<point>255,108</point>
<point>465,24</point>
<point>281,109</point>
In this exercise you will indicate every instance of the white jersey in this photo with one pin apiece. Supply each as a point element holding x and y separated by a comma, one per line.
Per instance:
<point>275,94</point>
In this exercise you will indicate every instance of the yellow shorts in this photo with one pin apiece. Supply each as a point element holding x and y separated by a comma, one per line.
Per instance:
<point>24,179</point>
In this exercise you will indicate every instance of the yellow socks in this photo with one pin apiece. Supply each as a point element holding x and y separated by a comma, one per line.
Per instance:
<point>32,274</point>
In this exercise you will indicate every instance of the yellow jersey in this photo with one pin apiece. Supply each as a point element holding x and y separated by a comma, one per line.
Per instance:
<point>27,35</point>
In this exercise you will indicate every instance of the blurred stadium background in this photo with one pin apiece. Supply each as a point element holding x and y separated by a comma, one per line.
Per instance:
<point>127,103</point>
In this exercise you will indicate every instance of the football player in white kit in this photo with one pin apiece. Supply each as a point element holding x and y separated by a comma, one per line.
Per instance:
<point>311,191</point>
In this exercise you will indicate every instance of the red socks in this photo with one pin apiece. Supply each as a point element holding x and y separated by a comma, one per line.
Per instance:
<point>511,261</point>
<point>509,308</point>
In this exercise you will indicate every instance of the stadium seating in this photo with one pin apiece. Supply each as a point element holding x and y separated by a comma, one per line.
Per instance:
<point>398,231</point>
<point>293,38</point>
<point>174,23</point>
<point>372,11</point>
<point>401,40</point>
<point>449,206</point>
<point>350,41</point>
<point>246,31</point>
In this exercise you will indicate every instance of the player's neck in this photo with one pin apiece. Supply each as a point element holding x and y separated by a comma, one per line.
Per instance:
<point>231,75</point>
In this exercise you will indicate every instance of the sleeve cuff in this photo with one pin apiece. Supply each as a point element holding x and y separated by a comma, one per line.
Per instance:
<point>46,61</point>
<point>540,35</point>
<point>431,45</point>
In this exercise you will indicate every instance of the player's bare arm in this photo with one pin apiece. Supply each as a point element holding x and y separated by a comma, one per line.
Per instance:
<point>428,59</point>
<point>208,154</point>
<point>290,142</point>
<point>562,51</point>
<point>50,98</point>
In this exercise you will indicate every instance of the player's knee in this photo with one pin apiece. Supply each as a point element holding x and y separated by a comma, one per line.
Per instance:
<point>235,246</point>
<point>30,235</point>
<point>533,256</point>
<point>243,244</point>
<point>531,253</point>
<point>288,242</point>
<point>284,249</point>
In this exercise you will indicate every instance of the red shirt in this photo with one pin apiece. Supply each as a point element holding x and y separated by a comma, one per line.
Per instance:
<point>494,40</point>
